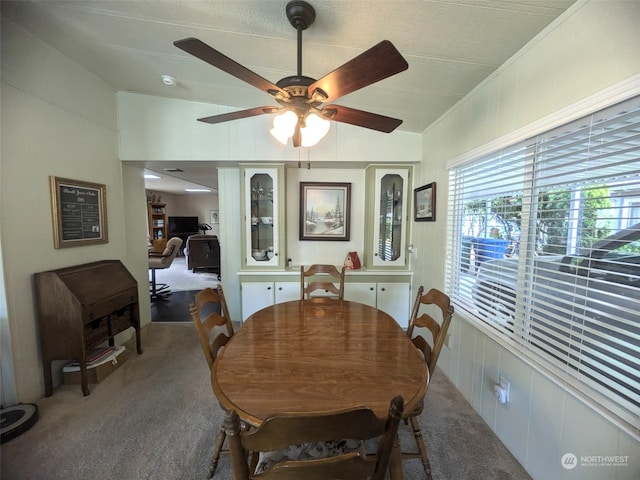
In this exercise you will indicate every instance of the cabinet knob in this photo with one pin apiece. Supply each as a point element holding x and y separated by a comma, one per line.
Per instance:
<point>268,288</point>
<point>371,288</point>
<point>382,289</point>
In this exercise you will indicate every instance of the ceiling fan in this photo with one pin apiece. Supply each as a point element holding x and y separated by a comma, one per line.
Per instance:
<point>301,98</point>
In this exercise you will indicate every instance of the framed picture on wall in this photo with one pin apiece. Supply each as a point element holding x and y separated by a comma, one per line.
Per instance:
<point>424,202</point>
<point>214,216</point>
<point>325,210</point>
<point>79,212</point>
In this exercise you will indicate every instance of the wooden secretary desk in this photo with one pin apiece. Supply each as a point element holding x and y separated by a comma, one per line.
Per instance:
<point>82,307</point>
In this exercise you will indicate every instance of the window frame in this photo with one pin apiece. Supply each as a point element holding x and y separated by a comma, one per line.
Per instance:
<point>514,339</point>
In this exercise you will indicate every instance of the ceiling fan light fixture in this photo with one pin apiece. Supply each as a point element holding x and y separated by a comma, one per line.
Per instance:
<point>283,126</point>
<point>313,128</point>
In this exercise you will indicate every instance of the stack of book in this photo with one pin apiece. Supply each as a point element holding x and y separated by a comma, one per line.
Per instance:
<point>95,357</point>
<point>100,363</point>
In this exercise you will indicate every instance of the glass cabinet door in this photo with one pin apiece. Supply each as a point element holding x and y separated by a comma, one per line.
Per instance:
<point>390,213</point>
<point>261,215</point>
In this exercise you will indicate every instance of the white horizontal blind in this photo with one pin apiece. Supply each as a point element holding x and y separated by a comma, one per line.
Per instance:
<point>545,247</point>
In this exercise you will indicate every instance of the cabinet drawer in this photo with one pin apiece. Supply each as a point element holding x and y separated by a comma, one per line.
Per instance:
<point>112,304</point>
<point>96,332</point>
<point>120,323</point>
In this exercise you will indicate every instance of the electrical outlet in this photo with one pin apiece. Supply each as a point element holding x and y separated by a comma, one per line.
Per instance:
<point>447,340</point>
<point>506,386</point>
<point>500,393</point>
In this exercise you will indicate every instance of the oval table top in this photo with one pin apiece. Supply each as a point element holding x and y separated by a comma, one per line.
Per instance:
<point>317,355</point>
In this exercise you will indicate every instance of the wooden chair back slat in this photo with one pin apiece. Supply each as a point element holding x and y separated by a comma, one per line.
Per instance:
<point>211,339</point>
<point>314,272</point>
<point>437,329</point>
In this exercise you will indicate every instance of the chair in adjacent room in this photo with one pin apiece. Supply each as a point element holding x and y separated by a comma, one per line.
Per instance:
<point>203,252</point>
<point>314,447</point>
<point>422,323</point>
<point>211,318</point>
<point>161,261</point>
<point>325,278</point>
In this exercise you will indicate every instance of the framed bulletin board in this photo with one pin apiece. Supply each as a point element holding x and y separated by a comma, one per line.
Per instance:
<point>79,212</point>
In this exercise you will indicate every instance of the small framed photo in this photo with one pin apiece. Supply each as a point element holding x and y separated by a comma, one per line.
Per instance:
<point>325,210</point>
<point>79,212</point>
<point>214,216</point>
<point>424,201</point>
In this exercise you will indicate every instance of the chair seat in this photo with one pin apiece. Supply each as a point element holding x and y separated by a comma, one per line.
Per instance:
<point>309,451</point>
<point>157,263</point>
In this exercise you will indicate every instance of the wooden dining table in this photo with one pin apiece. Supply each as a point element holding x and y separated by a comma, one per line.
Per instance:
<point>318,355</point>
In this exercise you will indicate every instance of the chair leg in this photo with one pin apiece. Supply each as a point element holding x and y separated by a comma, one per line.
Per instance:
<point>153,283</point>
<point>216,452</point>
<point>417,433</point>
<point>158,291</point>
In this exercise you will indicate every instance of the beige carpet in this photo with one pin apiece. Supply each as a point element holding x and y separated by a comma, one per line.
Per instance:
<point>156,418</point>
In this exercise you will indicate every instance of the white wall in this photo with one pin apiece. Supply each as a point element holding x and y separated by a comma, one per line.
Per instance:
<point>156,128</point>
<point>593,46</point>
<point>306,252</point>
<point>57,119</point>
<point>230,244</point>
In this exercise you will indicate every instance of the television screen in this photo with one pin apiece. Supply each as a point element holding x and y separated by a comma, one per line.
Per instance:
<point>183,225</point>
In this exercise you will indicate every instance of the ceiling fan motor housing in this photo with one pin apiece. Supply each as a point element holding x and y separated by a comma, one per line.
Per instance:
<point>300,14</point>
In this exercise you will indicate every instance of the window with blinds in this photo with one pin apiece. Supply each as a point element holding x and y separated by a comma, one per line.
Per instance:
<point>544,246</point>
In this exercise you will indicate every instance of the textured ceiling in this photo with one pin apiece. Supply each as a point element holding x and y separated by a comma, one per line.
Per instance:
<point>451,46</point>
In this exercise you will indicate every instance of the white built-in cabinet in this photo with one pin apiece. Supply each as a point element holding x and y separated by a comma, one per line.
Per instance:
<point>390,297</point>
<point>286,291</point>
<point>387,217</point>
<point>258,295</point>
<point>395,299</point>
<point>262,197</point>
<point>385,280</point>
<point>360,292</point>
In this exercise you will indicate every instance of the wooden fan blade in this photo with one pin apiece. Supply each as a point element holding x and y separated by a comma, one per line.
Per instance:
<point>379,62</point>
<point>360,118</point>
<point>204,52</point>
<point>225,117</point>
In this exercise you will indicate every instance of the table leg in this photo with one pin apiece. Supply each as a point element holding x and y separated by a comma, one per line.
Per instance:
<point>395,464</point>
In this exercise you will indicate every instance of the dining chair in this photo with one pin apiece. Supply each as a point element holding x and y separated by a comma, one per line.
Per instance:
<point>330,276</point>
<point>327,445</point>
<point>419,324</point>
<point>211,317</point>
